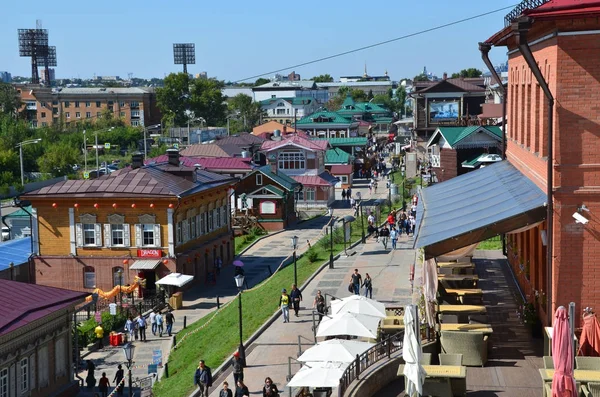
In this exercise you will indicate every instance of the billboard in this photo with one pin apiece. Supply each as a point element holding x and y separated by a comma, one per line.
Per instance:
<point>443,111</point>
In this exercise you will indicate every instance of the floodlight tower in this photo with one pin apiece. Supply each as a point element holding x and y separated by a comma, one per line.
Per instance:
<point>184,54</point>
<point>47,61</point>
<point>33,43</point>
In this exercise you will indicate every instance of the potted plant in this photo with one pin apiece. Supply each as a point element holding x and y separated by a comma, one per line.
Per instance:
<point>528,315</point>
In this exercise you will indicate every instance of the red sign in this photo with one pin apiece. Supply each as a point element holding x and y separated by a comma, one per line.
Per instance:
<point>149,253</point>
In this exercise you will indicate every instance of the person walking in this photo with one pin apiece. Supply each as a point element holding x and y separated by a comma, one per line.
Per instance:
<point>384,234</point>
<point>319,304</point>
<point>169,320</point>
<point>356,279</point>
<point>269,389</point>
<point>343,194</point>
<point>296,296</point>
<point>159,323</point>
<point>284,303</point>
<point>368,284</point>
<point>394,237</point>
<point>349,193</point>
<point>141,322</point>
<point>413,223</point>
<point>203,378</point>
<point>153,322</point>
<point>129,327</point>
<point>407,226</point>
<point>238,368</point>
<point>103,385</point>
<point>99,331</point>
<point>218,265</point>
<point>118,378</point>
<point>241,390</point>
<point>225,391</point>
<point>370,187</point>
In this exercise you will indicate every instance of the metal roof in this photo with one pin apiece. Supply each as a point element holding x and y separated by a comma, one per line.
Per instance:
<point>15,251</point>
<point>104,90</point>
<point>337,156</point>
<point>145,264</point>
<point>212,150</point>
<point>341,169</point>
<point>476,206</point>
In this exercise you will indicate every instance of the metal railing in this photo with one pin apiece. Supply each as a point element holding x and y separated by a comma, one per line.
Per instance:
<point>381,350</point>
<point>518,10</point>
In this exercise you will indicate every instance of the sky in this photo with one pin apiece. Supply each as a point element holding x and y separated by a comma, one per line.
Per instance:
<point>237,39</point>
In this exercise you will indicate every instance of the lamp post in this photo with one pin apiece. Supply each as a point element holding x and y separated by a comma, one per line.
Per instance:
<point>239,283</point>
<point>96,144</point>
<point>295,246</point>
<point>120,274</point>
<point>346,219</point>
<point>146,140</point>
<point>128,350</point>
<point>20,146</point>
<point>331,241</point>
<point>403,179</point>
<point>362,221</point>
<point>84,151</point>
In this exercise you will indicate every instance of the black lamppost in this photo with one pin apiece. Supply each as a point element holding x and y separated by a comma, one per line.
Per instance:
<point>346,219</point>
<point>128,349</point>
<point>403,179</point>
<point>294,247</point>
<point>239,283</point>
<point>362,221</point>
<point>331,241</point>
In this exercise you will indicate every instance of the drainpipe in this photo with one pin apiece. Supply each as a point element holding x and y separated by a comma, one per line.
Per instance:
<point>485,49</point>
<point>520,29</point>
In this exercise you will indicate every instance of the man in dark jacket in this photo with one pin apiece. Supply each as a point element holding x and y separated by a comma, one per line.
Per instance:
<point>238,368</point>
<point>296,296</point>
<point>203,378</point>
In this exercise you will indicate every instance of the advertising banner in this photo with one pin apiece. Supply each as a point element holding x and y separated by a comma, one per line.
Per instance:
<point>443,111</point>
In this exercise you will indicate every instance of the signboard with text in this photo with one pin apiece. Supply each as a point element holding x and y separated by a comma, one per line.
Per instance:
<point>149,253</point>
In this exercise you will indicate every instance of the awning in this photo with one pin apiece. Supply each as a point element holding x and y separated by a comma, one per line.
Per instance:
<point>476,206</point>
<point>145,264</point>
<point>175,279</point>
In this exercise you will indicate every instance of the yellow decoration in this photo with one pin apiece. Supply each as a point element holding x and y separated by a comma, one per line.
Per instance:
<point>119,288</point>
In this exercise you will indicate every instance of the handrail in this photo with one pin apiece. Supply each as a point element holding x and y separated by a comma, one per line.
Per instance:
<point>522,6</point>
<point>381,350</point>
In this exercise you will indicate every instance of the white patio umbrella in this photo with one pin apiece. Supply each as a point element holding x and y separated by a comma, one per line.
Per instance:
<point>430,287</point>
<point>358,304</point>
<point>349,324</point>
<point>335,349</point>
<point>411,353</point>
<point>318,374</point>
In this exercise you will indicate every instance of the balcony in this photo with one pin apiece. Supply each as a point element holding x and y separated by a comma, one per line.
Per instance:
<point>434,159</point>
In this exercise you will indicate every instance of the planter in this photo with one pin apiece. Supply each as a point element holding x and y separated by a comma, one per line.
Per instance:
<point>537,330</point>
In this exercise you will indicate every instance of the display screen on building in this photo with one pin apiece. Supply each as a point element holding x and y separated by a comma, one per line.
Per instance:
<point>443,111</point>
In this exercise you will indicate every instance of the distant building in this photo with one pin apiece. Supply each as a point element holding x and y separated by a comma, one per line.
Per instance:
<point>290,89</point>
<point>286,110</point>
<point>375,87</point>
<point>49,78</point>
<point>108,78</point>
<point>5,77</point>
<point>231,90</point>
<point>201,75</point>
<point>45,106</point>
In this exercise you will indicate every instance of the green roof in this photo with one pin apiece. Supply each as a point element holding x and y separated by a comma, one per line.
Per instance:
<point>472,163</point>
<point>348,102</point>
<point>337,156</point>
<point>453,135</point>
<point>281,178</point>
<point>326,117</point>
<point>20,213</point>
<point>371,107</point>
<point>352,141</point>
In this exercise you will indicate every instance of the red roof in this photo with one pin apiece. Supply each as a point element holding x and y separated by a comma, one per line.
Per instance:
<point>311,180</point>
<point>23,303</point>
<point>295,140</point>
<point>341,169</point>
<point>224,163</point>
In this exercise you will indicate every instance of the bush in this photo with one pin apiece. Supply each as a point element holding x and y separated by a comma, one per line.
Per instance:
<point>86,334</point>
<point>256,231</point>
<point>312,255</point>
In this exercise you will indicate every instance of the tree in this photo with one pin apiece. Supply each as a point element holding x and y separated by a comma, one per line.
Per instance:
<point>250,112</point>
<point>421,77</point>
<point>359,95</point>
<point>370,95</point>
<point>9,100</point>
<point>59,159</point>
<point>207,100</point>
<point>261,81</point>
<point>171,98</point>
<point>401,99</point>
<point>470,72</point>
<point>323,78</point>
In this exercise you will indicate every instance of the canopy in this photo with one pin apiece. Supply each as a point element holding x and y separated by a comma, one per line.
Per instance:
<point>175,279</point>
<point>590,337</point>
<point>340,349</point>
<point>358,304</point>
<point>318,374</point>
<point>476,206</point>
<point>145,264</point>
<point>349,324</point>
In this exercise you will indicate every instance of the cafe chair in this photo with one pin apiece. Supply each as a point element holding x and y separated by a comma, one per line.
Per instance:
<point>591,363</point>
<point>548,362</point>
<point>590,390</point>
<point>472,346</point>
<point>451,359</point>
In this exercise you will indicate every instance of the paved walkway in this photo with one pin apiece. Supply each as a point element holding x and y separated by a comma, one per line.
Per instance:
<point>268,356</point>
<point>264,256</point>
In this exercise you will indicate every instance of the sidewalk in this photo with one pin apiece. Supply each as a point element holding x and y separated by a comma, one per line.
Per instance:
<point>268,356</point>
<point>201,300</point>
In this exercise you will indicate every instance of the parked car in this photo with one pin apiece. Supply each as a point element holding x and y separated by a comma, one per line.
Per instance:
<point>5,233</point>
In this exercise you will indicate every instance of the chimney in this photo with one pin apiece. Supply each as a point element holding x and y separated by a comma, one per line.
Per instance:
<point>274,167</point>
<point>137,160</point>
<point>445,76</point>
<point>173,155</point>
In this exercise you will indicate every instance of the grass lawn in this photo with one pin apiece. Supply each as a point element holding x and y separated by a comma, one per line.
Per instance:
<point>216,342</point>
<point>494,243</point>
<point>242,242</point>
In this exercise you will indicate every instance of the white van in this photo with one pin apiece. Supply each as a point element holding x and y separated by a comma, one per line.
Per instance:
<point>5,233</point>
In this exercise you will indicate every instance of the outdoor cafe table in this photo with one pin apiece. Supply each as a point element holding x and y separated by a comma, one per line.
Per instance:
<point>548,341</point>
<point>485,328</point>
<point>456,373</point>
<point>581,375</point>
<point>467,265</point>
<point>462,309</point>
<point>458,280</point>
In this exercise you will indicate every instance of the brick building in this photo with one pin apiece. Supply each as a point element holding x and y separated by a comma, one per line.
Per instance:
<point>145,221</point>
<point>45,106</point>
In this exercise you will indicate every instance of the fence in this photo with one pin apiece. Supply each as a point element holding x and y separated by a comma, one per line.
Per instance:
<point>518,10</point>
<point>381,350</point>
<point>125,302</point>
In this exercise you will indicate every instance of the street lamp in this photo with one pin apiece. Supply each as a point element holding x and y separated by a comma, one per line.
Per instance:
<point>20,146</point>
<point>128,350</point>
<point>233,115</point>
<point>295,246</point>
<point>96,144</point>
<point>239,283</point>
<point>362,221</point>
<point>146,140</point>
<point>331,221</point>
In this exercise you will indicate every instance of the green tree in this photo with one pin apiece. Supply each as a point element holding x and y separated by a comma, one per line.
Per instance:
<point>207,101</point>
<point>401,99</point>
<point>323,78</point>
<point>9,100</point>
<point>261,81</point>
<point>59,159</point>
<point>470,72</point>
<point>370,95</point>
<point>173,98</point>
<point>421,77</point>
<point>359,95</point>
<point>249,112</point>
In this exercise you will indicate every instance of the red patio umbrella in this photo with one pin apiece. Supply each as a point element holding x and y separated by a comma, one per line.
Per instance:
<point>590,337</point>
<point>563,383</point>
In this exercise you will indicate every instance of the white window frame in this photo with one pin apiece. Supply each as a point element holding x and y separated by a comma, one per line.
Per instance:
<point>148,228</point>
<point>291,157</point>
<point>178,233</point>
<point>311,194</point>
<point>211,225</point>
<point>68,115</point>
<point>4,390</point>
<point>78,115</point>
<point>60,357</point>
<point>80,235</point>
<point>192,226</point>
<point>135,123</point>
<point>259,179</point>
<point>117,233</point>
<point>87,275</point>
<point>24,375</point>
<point>43,367</point>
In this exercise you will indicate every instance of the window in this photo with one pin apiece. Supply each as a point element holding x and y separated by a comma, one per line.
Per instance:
<point>89,278</point>
<point>178,233</point>
<point>54,110</point>
<point>273,96</point>
<point>211,225</point>
<point>224,216</point>
<point>259,179</point>
<point>280,111</point>
<point>88,104</point>
<point>135,113</point>
<point>267,207</point>
<point>4,382</point>
<point>203,223</point>
<point>148,235</point>
<point>43,376</point>
<point>43,104</point>
<point>78,115</point>
<point>134,105</point>
<point>68,115</point>
<point>300,195</point>
<point>43,114</point>
<point>76,104</point>
<point>98,104</point>
<point>121,104</point>
<point>55,102</point>
<point>110,104</point>
<point>217,216</point>
<point>310,194</point>
<point>67,104</point>
<point>44,124</point>
<point>89,234</point>
<point>118,276</point>
<point>24,375</point>
<point>292,160</point>
<point>60,357</point>
<point>88,115</point>
<point>135,123</point>
<point>122,114</point>
<point>117,233</point>
<point>98,114</point>
<point>193,231</point>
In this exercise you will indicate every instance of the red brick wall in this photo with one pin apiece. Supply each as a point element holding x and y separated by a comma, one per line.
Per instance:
<point>448,166</point>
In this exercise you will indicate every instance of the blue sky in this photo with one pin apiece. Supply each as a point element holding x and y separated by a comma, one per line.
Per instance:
<point>236,39</point>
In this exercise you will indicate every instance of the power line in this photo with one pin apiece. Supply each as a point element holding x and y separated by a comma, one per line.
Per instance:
<point>378,44</point>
